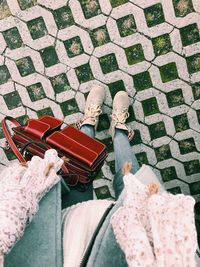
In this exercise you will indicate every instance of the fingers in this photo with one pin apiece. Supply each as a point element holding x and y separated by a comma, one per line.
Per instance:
<point>48,168</point>
<point>153,188</point>
<point>126,167</point>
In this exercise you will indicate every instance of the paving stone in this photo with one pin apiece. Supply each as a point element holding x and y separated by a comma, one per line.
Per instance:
<point>22,119</point>
<point>12,38</point>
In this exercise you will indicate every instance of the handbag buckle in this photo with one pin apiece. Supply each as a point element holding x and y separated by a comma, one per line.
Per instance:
<point>7,146</point>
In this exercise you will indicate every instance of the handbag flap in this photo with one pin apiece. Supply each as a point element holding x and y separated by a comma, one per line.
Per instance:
<point>72,148</point>
<point>84,139</point>
<point>51,121</point>
<point>36,128</point>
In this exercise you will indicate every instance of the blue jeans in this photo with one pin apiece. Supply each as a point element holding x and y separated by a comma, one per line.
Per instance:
<point>121,156</point>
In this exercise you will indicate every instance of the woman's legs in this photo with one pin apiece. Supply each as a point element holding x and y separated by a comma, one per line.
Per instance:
<point>123,153</point>
<point>88,129</point>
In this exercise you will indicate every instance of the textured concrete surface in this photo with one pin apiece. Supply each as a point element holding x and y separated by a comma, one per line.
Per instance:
<point>52,52</point>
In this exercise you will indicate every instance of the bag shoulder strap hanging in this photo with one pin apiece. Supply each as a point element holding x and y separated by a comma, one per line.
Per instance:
<point>9,138</point>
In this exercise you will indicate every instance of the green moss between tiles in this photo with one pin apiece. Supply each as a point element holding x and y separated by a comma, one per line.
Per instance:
<point>191,167</point>
<point>195,188</point>
<point>163,152</point>
<point>63,17</point>
<point>126,25</point>
<point>37,28</point>
<point>60,83</point>
<point>162,44</point>
<point>154,15</point>
<point>182,7</point>
<point>175,98</point>
<point>134,54</point>
<point>4,9</point>
<point>13,38</point>
<point>168,174</point>
<point>116,3</point>
<point>100,36</point>
<point>181,122</point>
<point>24,4</point>
<point>196,90</point>
<point>25,66</point>
<point>90,8</point>
<point>73,46</point>
<point>187,146</point>
<point>108,63</point>
<point>168,72</point>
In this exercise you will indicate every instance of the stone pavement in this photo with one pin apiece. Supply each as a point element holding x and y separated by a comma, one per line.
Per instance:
<point>52,52</point>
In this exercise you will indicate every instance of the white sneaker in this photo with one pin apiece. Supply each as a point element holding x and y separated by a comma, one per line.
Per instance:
<point>93,106</point>
<point>120,113</point>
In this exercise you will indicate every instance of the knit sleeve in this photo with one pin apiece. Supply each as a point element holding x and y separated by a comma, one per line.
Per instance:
<point>21,188</point>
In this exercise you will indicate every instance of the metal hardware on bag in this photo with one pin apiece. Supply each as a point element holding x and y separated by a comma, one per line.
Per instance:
<point>7,146</point>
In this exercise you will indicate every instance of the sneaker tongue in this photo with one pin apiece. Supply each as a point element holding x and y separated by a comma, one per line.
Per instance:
<point>120,116</point>
<point>93,111</point>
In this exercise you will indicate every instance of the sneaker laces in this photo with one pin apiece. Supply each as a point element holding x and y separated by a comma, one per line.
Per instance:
<point>93,111</point>
<point>119,116</point>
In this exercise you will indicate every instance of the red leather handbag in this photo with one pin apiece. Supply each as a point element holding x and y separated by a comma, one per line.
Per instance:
<point>83,155</point>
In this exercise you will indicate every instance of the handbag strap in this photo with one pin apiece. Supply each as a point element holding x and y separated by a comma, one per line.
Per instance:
<point>9,138</point>
<point>12,144</point>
